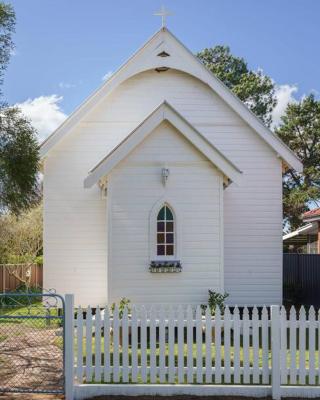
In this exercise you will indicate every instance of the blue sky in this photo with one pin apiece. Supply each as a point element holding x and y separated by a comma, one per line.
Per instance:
<point>64,48</point>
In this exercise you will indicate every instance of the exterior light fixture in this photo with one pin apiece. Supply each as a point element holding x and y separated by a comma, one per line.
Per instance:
<point>165,175</point>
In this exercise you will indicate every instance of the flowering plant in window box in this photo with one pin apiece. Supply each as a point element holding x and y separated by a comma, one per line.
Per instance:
<point>165,266</point>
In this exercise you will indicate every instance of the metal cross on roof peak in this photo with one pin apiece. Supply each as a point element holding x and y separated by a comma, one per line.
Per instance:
<point>163,13</point>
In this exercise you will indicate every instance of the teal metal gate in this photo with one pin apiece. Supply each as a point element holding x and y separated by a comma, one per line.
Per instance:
<point>32,342</point>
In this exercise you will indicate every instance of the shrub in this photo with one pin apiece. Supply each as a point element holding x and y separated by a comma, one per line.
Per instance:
<point>124,303</point>
<point>22,300</point>
<point>215,300</point>
<point>39,260</point>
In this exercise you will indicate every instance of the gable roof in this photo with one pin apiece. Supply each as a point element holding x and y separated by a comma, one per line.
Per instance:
<point>180,58</point>
<point>164,112</point>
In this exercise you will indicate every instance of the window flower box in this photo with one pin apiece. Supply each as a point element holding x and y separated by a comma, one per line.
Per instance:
<point>165,266</point>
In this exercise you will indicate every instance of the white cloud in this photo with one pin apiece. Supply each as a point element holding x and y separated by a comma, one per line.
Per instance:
<point>284,95</point>
<point>44,113</point>
<point>66,85</point>
<point>107,75</point>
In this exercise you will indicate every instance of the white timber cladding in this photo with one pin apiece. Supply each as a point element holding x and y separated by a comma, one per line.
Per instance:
<point>75,218</point>
<point>164,112</point>
<point>75,226</point>
<point>193,188</point>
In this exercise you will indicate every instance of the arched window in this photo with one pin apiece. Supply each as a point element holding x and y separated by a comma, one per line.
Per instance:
<point>165,232</point>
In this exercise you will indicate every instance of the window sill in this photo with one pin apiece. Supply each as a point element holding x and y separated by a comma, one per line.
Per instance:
<point>165,266</point>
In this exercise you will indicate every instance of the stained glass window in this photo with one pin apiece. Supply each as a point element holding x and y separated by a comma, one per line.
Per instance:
<point>165,232</point>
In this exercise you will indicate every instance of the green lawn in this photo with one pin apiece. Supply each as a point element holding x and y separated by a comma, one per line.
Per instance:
<point>33,324</point>
<point>36,320</point>
<point>34,315</point>
<point>194,355</point>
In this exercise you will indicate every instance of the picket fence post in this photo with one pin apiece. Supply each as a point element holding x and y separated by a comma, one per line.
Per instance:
<point>68,345</point>
<point>275,352</point>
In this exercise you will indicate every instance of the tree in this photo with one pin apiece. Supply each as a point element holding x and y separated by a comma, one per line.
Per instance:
<point>7,25</point>
<point>19,159</point>
<point>21,242</point>
<point>300,130</point>
<point>252,87</point>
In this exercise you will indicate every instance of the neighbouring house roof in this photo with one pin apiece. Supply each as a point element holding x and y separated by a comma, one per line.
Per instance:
<point>313,215</point>
<point>303,230</point>
<point>164,112</point>
<point>310,217</point>
<point>180,58</point>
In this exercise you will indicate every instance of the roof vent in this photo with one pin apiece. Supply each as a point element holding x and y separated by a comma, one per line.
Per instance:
<point>161,69</point>
<point>163,54</point>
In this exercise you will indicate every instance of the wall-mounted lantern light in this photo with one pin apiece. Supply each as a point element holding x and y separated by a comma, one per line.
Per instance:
<point>165,175</point>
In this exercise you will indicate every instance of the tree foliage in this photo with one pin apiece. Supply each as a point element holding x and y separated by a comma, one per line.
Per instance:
<point>300,130</point>
<point>252,87</point>
<point>7,25</point>
<point>21,236</point>
<point>19,160</point>
<point>21,242</point>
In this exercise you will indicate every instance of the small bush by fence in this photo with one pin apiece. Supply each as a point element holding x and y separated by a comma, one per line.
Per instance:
<point>9,283</point>
<point>187,346</point>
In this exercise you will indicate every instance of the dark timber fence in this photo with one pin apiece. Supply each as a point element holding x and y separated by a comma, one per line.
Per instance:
<point>8,283</point>
<point>301,279</point>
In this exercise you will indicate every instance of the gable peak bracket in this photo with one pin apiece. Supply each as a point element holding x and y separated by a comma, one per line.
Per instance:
<point>103,185</point>
<point>226,182</point>
<point>163,54</point>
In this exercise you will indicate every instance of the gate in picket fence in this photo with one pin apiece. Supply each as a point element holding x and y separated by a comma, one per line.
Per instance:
<point>158,346</point>
<point>32,343</point>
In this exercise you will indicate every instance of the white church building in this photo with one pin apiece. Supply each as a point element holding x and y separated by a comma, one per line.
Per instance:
<point>162,185</point>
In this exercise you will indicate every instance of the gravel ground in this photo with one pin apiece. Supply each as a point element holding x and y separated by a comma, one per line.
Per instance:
<point>30,358</point>
<point>29,396</point>
<point>188,398</point>
<point>178,398</point>
<point>54,397</point>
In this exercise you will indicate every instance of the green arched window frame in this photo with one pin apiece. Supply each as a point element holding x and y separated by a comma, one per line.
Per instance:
<point>165,232</point>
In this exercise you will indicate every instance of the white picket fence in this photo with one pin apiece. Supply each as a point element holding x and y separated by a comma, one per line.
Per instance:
<point>186,351</point>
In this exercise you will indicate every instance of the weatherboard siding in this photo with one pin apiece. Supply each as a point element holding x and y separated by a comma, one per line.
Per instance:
<point>76,220</point>
<point>75,245</point>
<point>193,191</point>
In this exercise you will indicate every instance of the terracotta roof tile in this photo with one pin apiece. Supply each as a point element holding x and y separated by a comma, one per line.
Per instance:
<point>312,213</point>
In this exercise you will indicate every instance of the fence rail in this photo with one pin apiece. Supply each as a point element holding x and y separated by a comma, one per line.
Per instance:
<point>187,346</point>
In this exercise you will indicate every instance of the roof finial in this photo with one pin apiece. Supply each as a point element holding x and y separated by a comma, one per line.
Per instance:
<point>163,13</point>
